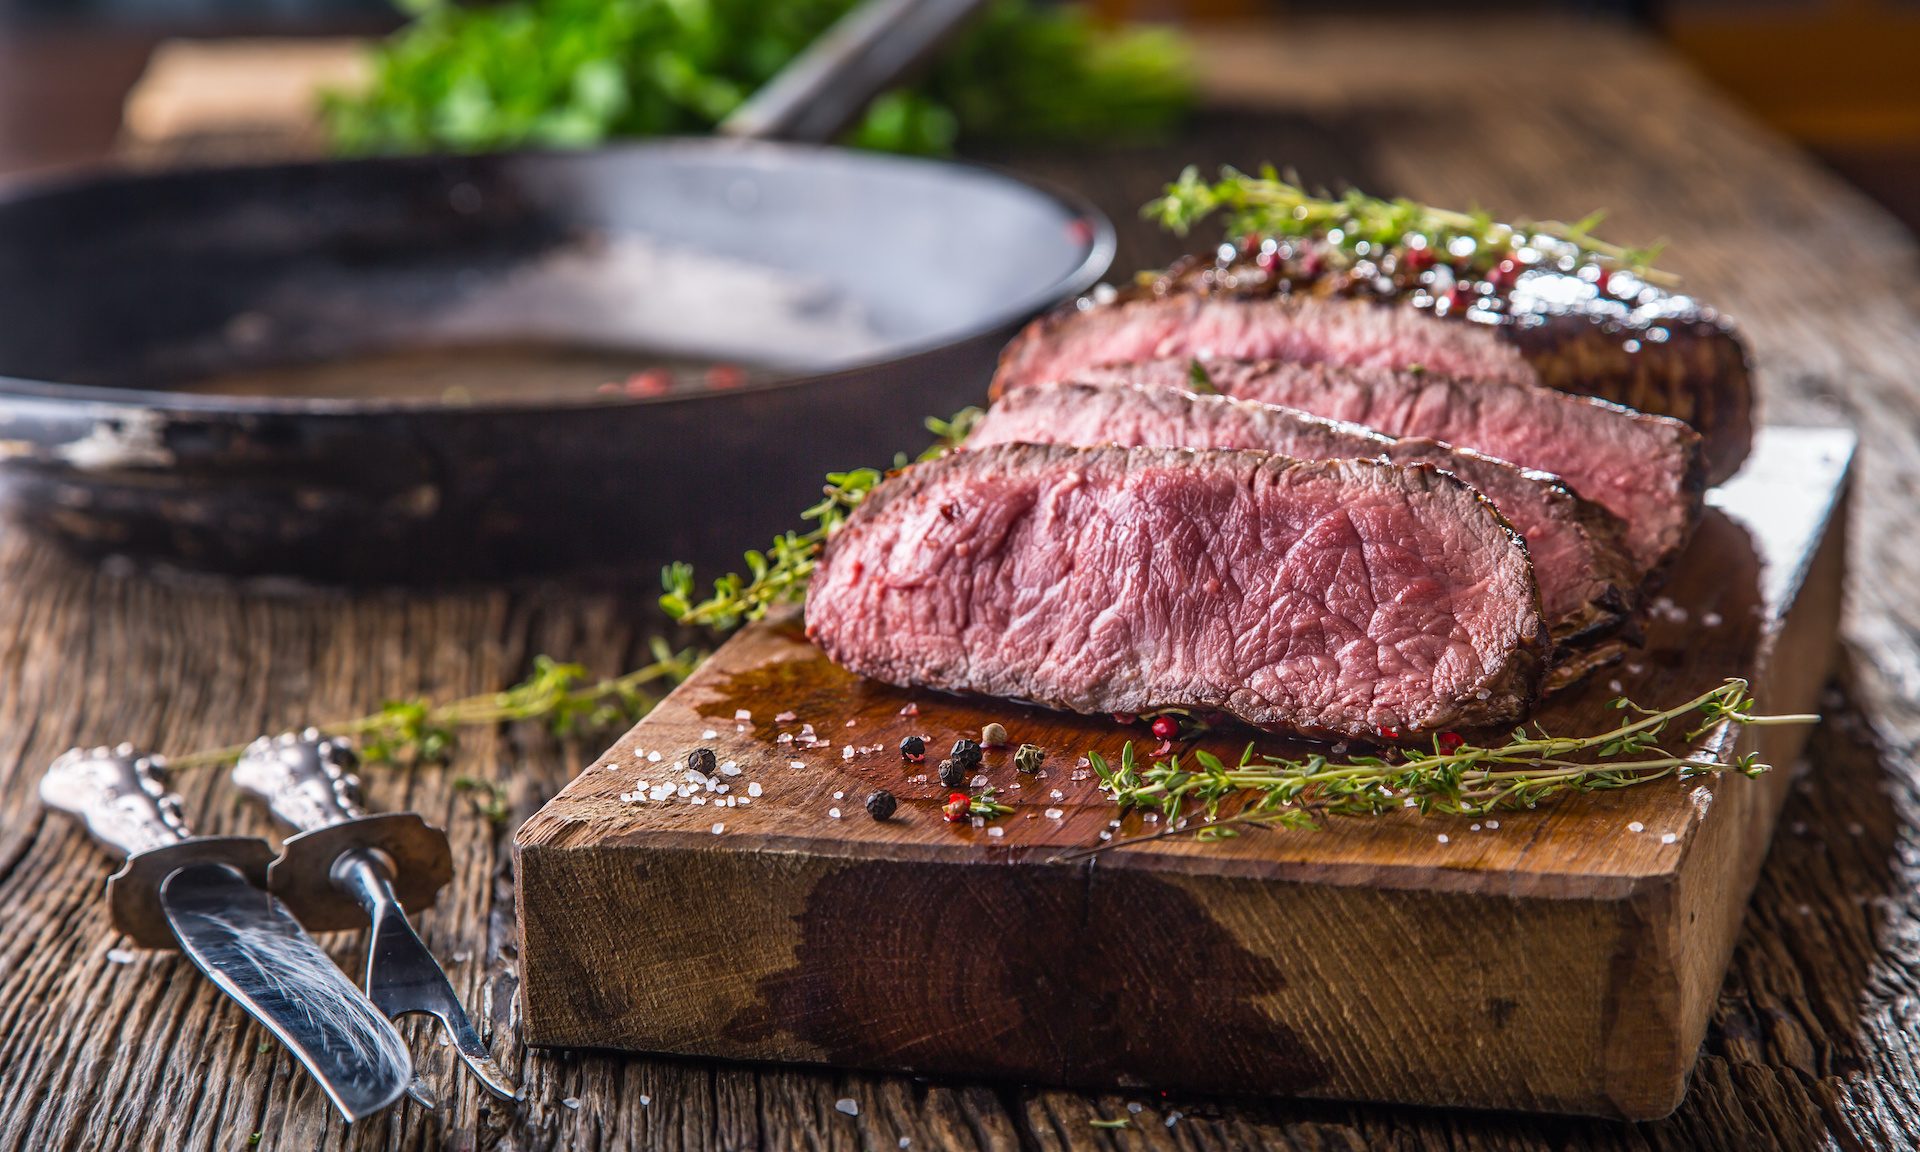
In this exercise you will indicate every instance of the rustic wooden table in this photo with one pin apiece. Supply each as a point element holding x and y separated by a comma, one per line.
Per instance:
<point>1812,1045</point>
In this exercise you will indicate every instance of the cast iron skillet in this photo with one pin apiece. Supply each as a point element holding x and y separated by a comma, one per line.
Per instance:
<point>881,288</point>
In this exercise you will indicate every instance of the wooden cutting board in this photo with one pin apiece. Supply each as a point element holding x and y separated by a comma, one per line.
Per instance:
<point>1562,959</point>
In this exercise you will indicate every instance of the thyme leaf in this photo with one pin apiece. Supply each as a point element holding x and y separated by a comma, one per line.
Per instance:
<point>780,574</point>
<point>420,731</point>
<point>1452,778</point>
<point>1355,225</point>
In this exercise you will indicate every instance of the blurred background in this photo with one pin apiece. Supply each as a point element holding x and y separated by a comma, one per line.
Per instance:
<point>1837,77</point>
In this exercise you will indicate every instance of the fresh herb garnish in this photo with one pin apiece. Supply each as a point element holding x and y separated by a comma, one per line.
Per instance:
<point>1357,226</point>
<point>571,73</point>
<point>420,731</point>
<point>1454,778</point>
<point>780,574</point>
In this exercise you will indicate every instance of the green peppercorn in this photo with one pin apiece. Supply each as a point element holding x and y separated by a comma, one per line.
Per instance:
<point>881,804</point>
<point>1028,758</point>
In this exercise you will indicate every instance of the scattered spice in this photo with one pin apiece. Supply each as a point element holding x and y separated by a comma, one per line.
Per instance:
<point>993,736</point>
<point>1028,758</point>
<point>703,761</point>
<point>952,775</point>
<point>881,804</point>
<point>955,809</point>
<point>966,753</point>
<point>1166,727</point>
<point>913,749</point>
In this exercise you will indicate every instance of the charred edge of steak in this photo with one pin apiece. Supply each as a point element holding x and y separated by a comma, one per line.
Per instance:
<point>1496,697</point>
<point>1658,352</point>
<point>1588,592</point>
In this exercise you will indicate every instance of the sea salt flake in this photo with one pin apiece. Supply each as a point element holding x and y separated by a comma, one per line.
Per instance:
<point>698,799</point>
<point>1443,838</point>
<point>979,822</point>
<point>906,1141</point>
<point>851,723</point>
<point>719,828</point>
<point>847,752</point>
<point>708,734</point>
<point>653,757</point>
<point>1493,824</point>
<point>785,718</point>
<point>839,795</point>
<point>1106,835</point>
<point>1473,828</point>
<point>119,956</point>
<point>848,1105</point>
<point>1668,838</point>
<point>796,763</point>
<point>834,812</point>
<point>645,1100</point>
<point>996,833</point>
<point>783,738</point>
<point>1057,794</point>
<point>730,768</point>
<point>571,1102</point>
<point>1174,1118</point>
<point>743,716</point>
<point>910,710</point>
<point>753,788</point>
<point>1133,1107</point>
<point>1712,619</point>
<point>1636,826</point>
<point>980,781</point>
<point>1055,814</point>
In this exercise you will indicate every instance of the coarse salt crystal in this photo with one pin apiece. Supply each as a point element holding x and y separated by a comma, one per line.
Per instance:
<point>996,833</point>
<point>1152,818</point>
<point>1616,686</point>
<point>851,723</point>
<point>839,795</point>
<point>784,717</point>
<point>1493,824</point>
<point>571,1102</point>
<point>848,1105</point>
<point>910,710</point>
<point>980,781</point>
<point>1668,838</point>
<point>708,734</point>
<point>1174,1118</point>
<point>753,789</point>
<point>741,801</point>
<point>1443,838</point>
<point>796,763</point>
<point>1057,794</point>
<point>719,828</point>
<point>653,757</point>
<point>1133,1107</point>
<point>1636,826</point>
<point>743,715</point>
<point>1055,814</point>
<point>119,956</point>
<point>783,738</point>
<point>906,1141</point>
<point>723,789</point>
<point>730,768</point>
<point>979,822</point>
<point>1712,619</point>
<point>1106,835</point>
<point>847,752</point>
<point>834,812</point>
<point>1473,828</point>
<point>698,799</point>
<point>645,1100</point>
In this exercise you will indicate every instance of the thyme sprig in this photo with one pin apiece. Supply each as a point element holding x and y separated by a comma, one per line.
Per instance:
<point>1452,778</point>
<point>1356,226</point>
<point>420,731</point>
<point>983,804</point>
<point>780,574</point>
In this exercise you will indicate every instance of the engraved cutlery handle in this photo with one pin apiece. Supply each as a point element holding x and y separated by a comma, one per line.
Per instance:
<point>120,795</point>
<point>306,778</point>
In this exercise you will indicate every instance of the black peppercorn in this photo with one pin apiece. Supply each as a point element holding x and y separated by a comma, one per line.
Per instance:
<point>953,774</point>
<point>881,804</point>
<point>966,753</point>
<point>913,749</point>
<point>702,760</point>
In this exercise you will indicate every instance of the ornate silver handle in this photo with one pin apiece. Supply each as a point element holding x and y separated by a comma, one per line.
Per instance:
<point>305,778</point>
<point>120,795</point>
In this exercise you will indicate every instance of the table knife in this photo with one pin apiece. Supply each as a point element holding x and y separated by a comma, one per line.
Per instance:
<point>346,868</point>
<point>206,895</point>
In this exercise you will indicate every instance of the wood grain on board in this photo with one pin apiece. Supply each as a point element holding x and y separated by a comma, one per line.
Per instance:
<point>1562,959</point>
<point>1810,1042</point>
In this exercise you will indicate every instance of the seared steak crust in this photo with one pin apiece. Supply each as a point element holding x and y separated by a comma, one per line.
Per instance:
<point>1586,579</point>
<point>1647,470</point>
<point>1334,598</point>
<point>1657,352</point>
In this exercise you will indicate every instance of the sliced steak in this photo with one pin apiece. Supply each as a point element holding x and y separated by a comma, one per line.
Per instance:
<point>1328,597</point>
<point>1647,470</point>
<point>1586,579</point>
<point>1658,352</point>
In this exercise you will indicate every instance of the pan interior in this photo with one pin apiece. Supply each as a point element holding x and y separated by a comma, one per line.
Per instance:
<point>522,279</point>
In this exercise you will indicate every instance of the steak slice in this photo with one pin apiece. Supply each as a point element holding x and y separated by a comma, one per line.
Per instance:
<point>1647,470</point>
<point>1585,576</point>
<point>1662,354</point>
<point>1334,598</point>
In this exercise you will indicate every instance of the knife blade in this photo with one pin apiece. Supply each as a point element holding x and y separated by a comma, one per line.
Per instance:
<point>346,868</point>
<point>206,896</point>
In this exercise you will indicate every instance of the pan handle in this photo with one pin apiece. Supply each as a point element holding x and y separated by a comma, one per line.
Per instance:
<point>826,88</point>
